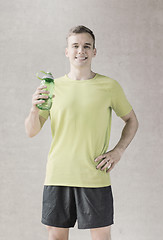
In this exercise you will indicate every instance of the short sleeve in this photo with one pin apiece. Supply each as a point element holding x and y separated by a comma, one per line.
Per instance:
<point>44,113</point>
<point>119,102</point>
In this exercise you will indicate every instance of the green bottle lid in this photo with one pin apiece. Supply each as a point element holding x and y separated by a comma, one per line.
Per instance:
<point>48,77</point>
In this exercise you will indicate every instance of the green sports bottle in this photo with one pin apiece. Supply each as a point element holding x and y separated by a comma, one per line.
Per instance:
<point>47,80</point>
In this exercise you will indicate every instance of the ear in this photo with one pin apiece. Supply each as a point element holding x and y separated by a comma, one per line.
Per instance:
<point>94,52</point>
<point>66,52</point>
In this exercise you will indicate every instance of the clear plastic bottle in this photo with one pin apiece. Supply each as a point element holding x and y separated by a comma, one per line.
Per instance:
<point>47,80</point>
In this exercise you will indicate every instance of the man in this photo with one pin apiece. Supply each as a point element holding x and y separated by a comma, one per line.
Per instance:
<point>77,184</point>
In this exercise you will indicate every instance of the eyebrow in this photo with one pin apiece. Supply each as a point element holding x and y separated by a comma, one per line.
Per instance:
<point>89,44</point>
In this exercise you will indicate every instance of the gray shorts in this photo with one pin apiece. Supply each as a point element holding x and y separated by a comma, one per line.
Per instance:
<point>91,207</point>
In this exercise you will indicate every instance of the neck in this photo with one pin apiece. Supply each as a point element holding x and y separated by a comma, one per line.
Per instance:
<point>81,74</point>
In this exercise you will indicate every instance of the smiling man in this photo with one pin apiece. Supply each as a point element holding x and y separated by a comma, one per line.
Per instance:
<point>80,51</point>
<point>77,184</point>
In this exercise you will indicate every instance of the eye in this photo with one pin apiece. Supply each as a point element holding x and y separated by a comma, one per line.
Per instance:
<point>86,47</point>
<point>75,46</point>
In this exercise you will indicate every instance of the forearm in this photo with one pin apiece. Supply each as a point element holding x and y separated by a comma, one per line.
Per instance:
<point>32,123</point>
<point>127,135</point>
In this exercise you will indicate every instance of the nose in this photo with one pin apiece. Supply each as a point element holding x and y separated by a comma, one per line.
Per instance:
<point>81,50</point>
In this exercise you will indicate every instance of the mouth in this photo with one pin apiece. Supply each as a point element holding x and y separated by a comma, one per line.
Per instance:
<point>81,58</point>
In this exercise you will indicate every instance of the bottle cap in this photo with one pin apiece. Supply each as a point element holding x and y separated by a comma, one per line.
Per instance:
<point>47,77</point>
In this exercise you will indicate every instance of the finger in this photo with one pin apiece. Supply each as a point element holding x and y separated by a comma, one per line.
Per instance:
<point>102,163</point>
<point>42,87</point>
<point>38,102</point>
<point>112,166</point>
<point>107,165</point>
<point>40,92</point>
<point>43,91</point>
<point>100,157</point>
<point>36,97</point>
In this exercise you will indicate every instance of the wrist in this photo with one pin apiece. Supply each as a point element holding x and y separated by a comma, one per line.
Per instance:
<point>34,109</point>
<point>119,149</point>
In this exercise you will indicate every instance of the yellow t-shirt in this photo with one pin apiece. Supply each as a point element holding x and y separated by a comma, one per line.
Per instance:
<point>80,125</point>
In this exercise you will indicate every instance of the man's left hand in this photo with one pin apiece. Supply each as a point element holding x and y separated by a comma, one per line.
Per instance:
<point>109,159</point>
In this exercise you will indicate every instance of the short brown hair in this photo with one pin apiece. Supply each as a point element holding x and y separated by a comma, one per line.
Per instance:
<point>81,29</point>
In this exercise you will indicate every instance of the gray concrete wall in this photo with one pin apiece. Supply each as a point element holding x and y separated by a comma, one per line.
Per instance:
<point>129,49</point>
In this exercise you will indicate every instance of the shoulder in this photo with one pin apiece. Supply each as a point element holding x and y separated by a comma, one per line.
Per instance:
<point>112,83</point>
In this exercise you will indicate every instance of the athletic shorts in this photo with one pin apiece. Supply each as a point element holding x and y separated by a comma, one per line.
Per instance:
<point>91,207</point>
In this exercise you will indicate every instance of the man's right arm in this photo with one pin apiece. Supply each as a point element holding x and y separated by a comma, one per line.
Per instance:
<point>34,122</point>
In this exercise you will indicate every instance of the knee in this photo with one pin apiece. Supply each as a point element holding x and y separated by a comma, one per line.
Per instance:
<point>56,233</point>
<point>101,233</point>
<point>52,233</point>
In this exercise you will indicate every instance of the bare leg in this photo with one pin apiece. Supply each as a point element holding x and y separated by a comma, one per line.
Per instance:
<point>102,233</point>
<point>56,233</point>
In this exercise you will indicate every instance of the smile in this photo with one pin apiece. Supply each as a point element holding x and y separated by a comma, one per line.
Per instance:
<point>81,58</point>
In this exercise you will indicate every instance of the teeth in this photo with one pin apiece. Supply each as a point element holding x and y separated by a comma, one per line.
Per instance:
<point>81,58</point>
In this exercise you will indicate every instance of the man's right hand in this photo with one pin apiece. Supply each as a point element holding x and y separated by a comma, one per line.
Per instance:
<point>37,97</point>
<point>34,122</point>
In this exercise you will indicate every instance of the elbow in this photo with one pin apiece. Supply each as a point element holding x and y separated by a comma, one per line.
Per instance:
<point>30,135</point>
<point>136,123</point>
<point>133,122</point>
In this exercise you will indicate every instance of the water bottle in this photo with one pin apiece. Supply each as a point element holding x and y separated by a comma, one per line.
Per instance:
<point>47,80</point>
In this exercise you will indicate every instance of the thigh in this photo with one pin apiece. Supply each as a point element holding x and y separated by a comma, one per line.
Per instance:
<point>102,233</point>
<point>94,207</point>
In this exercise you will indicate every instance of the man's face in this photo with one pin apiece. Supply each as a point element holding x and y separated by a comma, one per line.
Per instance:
<point>80,50</point>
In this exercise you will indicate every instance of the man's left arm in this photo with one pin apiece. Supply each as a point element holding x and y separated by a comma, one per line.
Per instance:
<point>109,159</point>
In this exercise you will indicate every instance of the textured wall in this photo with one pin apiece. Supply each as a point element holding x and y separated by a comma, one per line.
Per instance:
<point>129,49</point>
